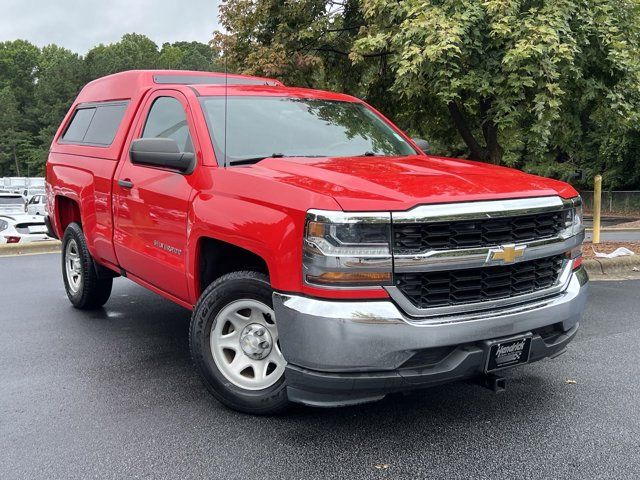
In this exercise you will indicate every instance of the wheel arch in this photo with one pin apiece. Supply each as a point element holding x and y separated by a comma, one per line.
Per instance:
<point>258,236</point>
<point>215,257</point>
<point>67,211</point>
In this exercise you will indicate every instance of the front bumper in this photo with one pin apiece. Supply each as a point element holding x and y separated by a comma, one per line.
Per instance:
<point>345,352</point>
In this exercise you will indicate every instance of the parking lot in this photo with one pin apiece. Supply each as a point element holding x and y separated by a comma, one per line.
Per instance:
<point>112,394</point>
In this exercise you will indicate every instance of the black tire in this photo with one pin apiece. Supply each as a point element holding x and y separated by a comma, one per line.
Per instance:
<point>91,292</point>
<point>233,286</point>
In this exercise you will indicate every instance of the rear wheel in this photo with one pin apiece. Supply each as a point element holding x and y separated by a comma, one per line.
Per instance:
<point>84,289</point>
<point>235,345</point>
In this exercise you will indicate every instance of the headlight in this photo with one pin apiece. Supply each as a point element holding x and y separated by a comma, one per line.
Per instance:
<point>347,249</point>
<point>573,218</point>
<point>578,217</point>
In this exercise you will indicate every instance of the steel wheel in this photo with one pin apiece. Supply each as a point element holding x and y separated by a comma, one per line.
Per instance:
<point>244,345</point>
<point>73,266</point>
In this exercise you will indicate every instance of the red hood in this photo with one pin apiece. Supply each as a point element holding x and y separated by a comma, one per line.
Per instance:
<point>399,183</point>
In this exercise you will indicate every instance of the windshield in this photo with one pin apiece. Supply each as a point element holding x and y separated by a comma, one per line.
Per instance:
<point>7,200</point>
<point>261,127</point>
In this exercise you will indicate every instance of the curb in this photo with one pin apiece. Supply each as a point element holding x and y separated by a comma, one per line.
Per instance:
<point>49,246</point>
<point>612,266</point>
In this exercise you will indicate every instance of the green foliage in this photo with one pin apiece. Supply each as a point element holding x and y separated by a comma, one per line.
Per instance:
<point>550,86</point>
<point>186,56</point>
<point>18,65</point>
<point>37,87</point>
<point>133,51</point>
<point>305,43</point>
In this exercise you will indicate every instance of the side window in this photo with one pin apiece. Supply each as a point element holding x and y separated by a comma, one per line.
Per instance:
<point>105,123</point>
<point>167,119</point>
<point>96,124</point>
<point>79,125</point>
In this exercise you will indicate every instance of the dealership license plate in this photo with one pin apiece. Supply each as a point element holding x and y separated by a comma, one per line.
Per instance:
<point>508,352</point>
<point>42,229</point>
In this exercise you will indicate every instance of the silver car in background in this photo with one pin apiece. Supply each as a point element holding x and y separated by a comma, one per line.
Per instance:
<point>11,203</point>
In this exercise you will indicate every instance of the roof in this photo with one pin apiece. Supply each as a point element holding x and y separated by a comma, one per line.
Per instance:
<point>125,85</point>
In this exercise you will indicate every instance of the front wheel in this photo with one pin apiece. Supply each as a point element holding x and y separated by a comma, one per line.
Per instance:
<point>85,290</point>
<point>235,345</point>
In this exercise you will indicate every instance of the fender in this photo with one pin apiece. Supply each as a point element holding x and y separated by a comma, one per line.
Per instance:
<point>68,176</point>
<point>239,209</point>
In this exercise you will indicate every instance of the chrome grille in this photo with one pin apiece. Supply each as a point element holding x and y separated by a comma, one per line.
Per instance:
<point>413,238</point>
<point>474,285</point>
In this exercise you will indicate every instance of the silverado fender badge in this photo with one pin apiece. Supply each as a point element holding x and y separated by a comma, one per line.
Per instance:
<point>505,253</point>
<point>168,248</point>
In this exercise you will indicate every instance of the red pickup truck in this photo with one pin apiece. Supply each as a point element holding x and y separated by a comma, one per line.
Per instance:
<point>328,259</point>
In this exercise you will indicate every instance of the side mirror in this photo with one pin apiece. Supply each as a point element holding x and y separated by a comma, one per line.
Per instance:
<point>422,144</point>
<point>161,152</point>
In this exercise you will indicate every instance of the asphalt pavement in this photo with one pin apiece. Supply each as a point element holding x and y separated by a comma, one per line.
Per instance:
<point>112,394</point>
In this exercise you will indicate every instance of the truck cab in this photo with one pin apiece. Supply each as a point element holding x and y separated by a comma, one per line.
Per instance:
<point>327,258</point>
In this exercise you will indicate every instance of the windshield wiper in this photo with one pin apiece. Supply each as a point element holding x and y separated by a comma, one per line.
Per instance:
<point>255,159</point>
<point>273,155</point>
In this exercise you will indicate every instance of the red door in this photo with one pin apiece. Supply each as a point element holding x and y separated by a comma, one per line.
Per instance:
<point>151,204</point>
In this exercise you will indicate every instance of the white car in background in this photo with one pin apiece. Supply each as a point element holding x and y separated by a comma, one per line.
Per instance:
<point>22,229</point>
<point>11,203</point>
<point>28,193</point>
<point>37,205</point>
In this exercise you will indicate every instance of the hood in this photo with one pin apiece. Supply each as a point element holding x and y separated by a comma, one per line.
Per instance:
<point>400,183</point>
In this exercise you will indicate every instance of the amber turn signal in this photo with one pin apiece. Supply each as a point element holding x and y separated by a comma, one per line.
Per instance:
<point>315,229</point>
<point>338,278</point>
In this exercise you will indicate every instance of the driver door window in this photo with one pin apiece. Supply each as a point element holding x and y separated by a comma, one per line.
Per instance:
<point>167,119</point>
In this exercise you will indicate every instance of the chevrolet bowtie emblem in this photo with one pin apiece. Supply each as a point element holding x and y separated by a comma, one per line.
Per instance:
<point>506,253</point>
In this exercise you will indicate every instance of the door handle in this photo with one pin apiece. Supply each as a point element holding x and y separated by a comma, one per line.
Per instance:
<point>125,183</point>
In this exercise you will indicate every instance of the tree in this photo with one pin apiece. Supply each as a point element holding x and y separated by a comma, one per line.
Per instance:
<point>549,86</point>
<point>186,56</point>
<point>132,52</point>
<point>305,43</point>
<point>15,143</point>
<point>520,79</point>
<point>18,68</point>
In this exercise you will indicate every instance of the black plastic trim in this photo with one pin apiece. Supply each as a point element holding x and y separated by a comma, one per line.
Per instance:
<point>50,231</point>
<point>208,80</point>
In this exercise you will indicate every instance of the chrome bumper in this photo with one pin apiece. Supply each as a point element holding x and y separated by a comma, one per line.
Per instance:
<point>366,336</point>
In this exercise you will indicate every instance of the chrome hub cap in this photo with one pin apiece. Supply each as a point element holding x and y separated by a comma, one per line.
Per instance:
<point>73,266</point>
<point>244,345</point>
<point>255,341</point>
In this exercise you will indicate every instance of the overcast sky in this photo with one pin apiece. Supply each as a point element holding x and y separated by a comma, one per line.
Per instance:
<point>81,24</point>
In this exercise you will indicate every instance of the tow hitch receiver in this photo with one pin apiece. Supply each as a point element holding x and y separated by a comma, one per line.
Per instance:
<point>493,382</point>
